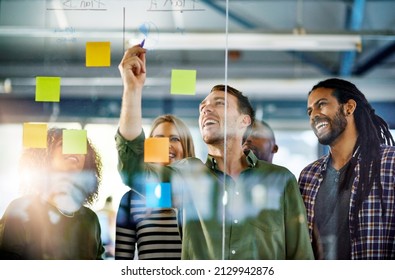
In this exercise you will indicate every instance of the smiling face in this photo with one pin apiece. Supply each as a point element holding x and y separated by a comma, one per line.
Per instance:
<point>66,162</point>
<point>69,185</point>
<point>327,117</point>
<point>212,117</point>
<point>167,129</point>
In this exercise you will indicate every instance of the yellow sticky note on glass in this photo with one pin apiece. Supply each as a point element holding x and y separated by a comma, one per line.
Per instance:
<point>183,82</point>
<point>98,54</point>
<point>156,149</point>
<point>48,89</point>
<point>35,135</point>
<point>74,141</point>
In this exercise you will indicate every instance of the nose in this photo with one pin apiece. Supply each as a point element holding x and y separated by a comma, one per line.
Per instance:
<point>314,115</point>
<point>207,109</point>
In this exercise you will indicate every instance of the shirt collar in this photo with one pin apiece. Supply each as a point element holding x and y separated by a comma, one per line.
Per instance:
<point>252,160</point>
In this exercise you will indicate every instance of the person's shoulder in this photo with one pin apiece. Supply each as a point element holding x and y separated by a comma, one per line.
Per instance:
<point>262,164</point>
<point>25,201</point>
<point>187,163</point>
<point>273,169</point>
<point>316,164</point>
<point>87,213</point>
<point>130,195</point>
<point>23,205</point>
<point>388,151</point>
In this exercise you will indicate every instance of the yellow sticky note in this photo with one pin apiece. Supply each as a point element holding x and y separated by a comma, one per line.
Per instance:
<point>98,54</point>
<point>48,89</point>
<point>183,82</point>
<point>35,135</point>
<point>74,141</point>
<point>156,149</point>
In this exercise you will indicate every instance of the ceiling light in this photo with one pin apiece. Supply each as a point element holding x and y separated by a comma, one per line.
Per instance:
<point>254,42</point>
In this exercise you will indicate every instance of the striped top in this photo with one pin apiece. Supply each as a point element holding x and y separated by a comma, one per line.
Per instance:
<point>153,232</point>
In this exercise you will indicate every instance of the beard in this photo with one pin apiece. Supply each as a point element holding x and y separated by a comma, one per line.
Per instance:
<point>218,138</point>
<point>337,125</point>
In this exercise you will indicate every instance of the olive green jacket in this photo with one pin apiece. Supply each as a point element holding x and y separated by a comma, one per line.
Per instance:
<point>261,215</point>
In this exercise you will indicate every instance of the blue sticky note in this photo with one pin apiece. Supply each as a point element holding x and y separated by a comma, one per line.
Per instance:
<point>158,195</point>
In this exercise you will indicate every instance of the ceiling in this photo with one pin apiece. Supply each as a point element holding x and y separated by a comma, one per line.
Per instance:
<point>48,38</point>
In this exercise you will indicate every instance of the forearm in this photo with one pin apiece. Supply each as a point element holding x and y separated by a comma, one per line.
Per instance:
<point>133,73</point>
<point>131,160</point>
<point>130,122</point>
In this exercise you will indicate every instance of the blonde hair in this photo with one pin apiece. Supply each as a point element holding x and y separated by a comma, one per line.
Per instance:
<point>184,132</point>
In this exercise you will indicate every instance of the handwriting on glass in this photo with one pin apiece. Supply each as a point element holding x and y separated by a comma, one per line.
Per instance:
<point>174,5</point>
<point>65,35</point>
<point>83,4</point>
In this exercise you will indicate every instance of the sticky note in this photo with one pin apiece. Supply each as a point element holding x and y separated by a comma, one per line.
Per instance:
<point>74,141</point>
<point>156,149</point>
<point>48,89</point>
<point>158,195</point>
<point>183,82</point>
<point>35,135</point>
<point>98,54</point>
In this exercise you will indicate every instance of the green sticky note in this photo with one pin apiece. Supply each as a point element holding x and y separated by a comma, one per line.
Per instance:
<point>35,135</point>
<point>183,82</point>
<point>48,89</point>
<point>98,54</point>
<point>74,141</point>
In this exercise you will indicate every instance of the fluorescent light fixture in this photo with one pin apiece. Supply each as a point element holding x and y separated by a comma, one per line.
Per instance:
<point>211,41</point>
<point>255,42</point>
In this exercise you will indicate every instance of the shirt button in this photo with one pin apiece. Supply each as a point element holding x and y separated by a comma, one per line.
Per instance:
<point>236,221</point>
<point>233,252</point>
<point>237,193</point>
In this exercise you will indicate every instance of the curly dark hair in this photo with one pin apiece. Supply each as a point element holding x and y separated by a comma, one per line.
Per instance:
<point>39,160</point>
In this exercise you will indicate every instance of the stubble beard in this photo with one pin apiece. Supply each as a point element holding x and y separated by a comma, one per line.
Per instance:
<point>338,125</point>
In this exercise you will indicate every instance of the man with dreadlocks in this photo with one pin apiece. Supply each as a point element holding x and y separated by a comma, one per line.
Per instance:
<point>350,193</point>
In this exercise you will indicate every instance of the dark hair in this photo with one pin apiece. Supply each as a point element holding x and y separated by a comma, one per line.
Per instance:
<point>372,132</point>
<point>40,160</point>
<point>244,105</point>
<point>266,127</point>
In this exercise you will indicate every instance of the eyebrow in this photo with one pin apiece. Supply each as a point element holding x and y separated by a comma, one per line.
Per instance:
<point>161,135</point>
<point>215,99</point>
<point>315,103</point>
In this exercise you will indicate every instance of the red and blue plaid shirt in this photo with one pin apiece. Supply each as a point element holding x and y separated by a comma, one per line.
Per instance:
<point>376,236</point>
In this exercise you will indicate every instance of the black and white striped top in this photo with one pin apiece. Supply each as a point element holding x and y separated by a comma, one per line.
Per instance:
<point>154,231</point>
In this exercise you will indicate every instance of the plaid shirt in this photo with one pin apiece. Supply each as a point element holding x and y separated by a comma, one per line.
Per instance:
<point>376,237</point>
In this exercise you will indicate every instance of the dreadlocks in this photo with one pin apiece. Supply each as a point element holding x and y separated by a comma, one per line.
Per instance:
<point>372,132</point>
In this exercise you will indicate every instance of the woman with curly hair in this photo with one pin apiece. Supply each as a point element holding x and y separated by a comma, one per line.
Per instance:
<point>51,220</point>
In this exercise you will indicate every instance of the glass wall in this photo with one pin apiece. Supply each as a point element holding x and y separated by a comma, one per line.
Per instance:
<point>59,66</point>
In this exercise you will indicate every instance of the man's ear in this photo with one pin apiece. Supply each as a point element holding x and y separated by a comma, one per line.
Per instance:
<point>349,107</point>
<point>246,120</point>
